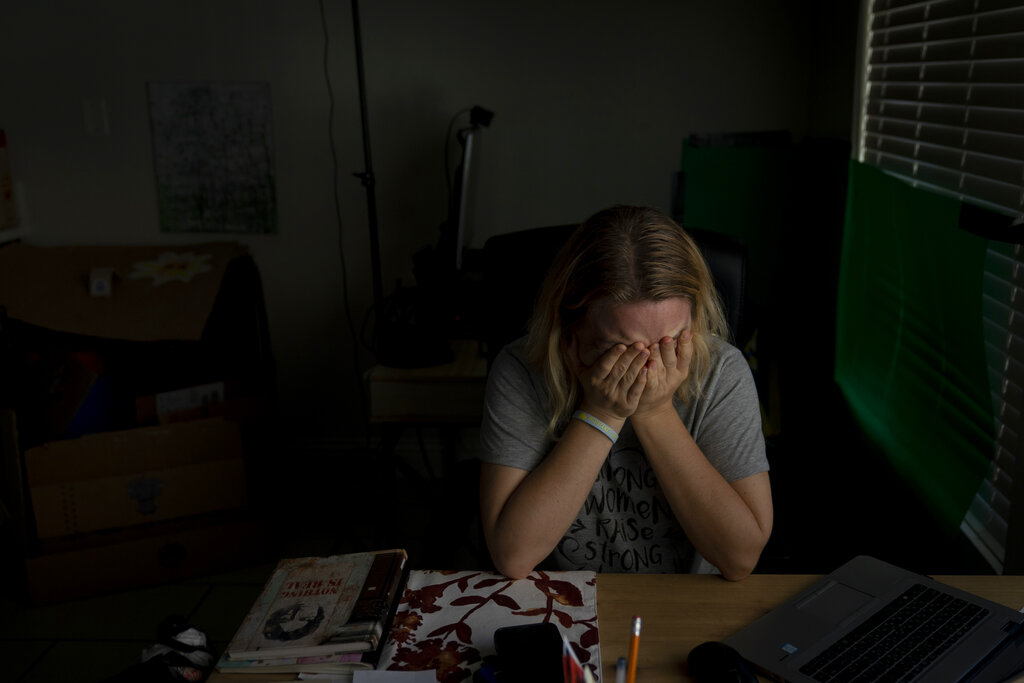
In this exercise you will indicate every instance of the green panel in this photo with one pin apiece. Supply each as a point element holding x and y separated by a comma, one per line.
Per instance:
<point>743,191</point>
<point>910,354</point>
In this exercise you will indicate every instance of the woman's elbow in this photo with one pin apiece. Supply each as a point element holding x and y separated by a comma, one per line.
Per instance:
<point>737,572</point>
<point>742,564</point>
<point>512,567</point>
<point>516,572</point>
<point>509,554</point>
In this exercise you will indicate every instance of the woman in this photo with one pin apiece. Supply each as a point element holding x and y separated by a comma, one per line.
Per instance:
<point>623,434</point>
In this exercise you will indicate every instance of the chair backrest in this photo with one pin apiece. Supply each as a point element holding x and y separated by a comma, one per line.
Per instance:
<point>726,256</point>
<point>514,267</point>
<point>515,264</point>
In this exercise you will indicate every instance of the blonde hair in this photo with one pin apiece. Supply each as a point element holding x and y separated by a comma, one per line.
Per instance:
<point>623,254</point>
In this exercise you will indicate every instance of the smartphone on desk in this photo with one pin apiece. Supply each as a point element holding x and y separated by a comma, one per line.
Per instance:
<point>529,653</point>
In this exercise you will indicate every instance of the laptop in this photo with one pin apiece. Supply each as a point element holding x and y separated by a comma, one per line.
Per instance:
<point>872,621</point>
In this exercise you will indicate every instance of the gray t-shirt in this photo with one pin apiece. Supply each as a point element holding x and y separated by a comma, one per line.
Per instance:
<point>626,524</point>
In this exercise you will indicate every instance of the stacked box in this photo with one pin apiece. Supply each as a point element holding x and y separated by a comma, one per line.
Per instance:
<point>127,457</point>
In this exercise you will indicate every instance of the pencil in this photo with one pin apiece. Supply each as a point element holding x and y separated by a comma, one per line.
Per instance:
<point>634,648</point>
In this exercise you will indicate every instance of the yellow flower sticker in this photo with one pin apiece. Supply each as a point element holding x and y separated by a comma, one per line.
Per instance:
<point>171,267</point>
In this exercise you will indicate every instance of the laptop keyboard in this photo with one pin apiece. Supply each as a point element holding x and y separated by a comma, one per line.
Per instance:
<point>900,641</point>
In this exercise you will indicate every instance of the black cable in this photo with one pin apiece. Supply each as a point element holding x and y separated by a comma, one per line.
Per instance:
<point>341,237</point>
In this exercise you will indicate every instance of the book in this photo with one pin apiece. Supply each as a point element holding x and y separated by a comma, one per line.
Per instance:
<point>320,606</point>
<point>327,664</point>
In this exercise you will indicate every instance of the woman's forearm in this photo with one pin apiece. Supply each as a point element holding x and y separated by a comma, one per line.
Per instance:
<point>728,524</point>
<point>526,514</point>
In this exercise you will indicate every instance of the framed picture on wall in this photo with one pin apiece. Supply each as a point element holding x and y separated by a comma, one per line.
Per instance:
<point>214,157</point>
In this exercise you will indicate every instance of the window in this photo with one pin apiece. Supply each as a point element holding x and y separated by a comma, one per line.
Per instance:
<point>942,106</point>
<point>988,520</point>
<point>943,97</point>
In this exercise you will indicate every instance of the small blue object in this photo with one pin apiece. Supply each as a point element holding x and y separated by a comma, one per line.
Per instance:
<point>486,674</point>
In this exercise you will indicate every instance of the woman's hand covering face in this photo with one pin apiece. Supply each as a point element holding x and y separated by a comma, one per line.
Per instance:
<point>613,384</point>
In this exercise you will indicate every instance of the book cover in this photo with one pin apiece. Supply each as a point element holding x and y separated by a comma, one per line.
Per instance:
<point>319,606</point>
<point>335,664</point>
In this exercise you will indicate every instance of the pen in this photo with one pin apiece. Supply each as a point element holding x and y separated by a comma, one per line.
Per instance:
<point>620,671</point>
<point>634,647</point>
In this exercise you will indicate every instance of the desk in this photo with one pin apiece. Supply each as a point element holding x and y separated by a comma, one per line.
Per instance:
<point>449,397</point>
<point>680,611</point>
<point>446,400</point>
<point>452,393</point>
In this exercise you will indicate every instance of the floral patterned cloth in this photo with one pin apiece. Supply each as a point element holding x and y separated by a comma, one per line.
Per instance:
<point>446,620</point>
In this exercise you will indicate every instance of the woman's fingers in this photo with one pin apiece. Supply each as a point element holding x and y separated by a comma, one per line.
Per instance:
<point>621,362</point>
<point>613,379</point>
<point>668,352</point>
<point>636,389</point>
<point>636,365</point>
<point>608,365</point>
<point>684,351</point>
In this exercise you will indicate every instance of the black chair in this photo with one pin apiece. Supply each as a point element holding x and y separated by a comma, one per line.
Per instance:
<point>515,263</point>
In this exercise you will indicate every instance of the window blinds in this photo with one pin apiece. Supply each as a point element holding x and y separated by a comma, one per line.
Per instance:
<point>987,521</point>
<point>942,106</point>
<point>943,99</point>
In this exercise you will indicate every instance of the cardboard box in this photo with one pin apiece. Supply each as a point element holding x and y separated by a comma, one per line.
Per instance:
<point>115,509</point>
<point>143,556</point>
<point>159,292</point>
<point>178,316</point>
<point>137,476</point>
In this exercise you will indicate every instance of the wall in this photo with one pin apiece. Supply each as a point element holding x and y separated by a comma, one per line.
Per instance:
<point>591,102</point>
